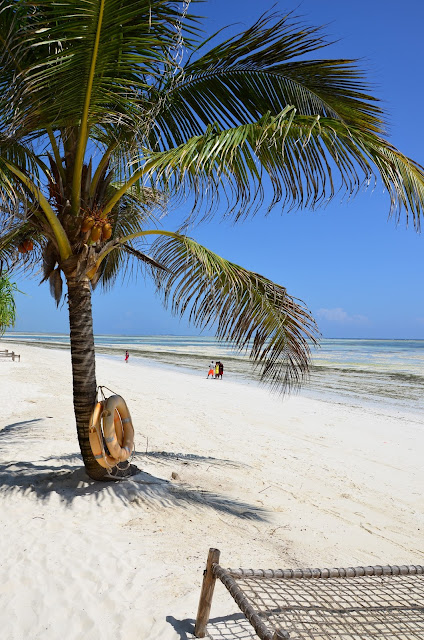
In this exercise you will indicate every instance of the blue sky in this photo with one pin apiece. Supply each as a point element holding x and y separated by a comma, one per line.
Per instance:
<point>360,274</point>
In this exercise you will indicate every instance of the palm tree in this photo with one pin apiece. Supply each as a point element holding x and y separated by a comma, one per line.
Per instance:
<point>112,111</point>
<point>7,302</point>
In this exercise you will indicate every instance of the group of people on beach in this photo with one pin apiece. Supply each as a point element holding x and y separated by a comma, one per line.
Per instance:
<point>216,369</point>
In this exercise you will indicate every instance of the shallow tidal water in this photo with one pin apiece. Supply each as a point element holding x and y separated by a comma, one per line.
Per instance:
<point>353,371</point>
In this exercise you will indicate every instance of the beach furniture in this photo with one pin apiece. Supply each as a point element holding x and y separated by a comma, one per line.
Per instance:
<point>385,602</point>
<point>10,354</point>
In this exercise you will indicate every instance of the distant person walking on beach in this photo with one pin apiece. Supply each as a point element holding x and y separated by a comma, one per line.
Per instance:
<point>216,370</point>
<point>221,369</point>
<point>211,369</point>
<point>127,355</point>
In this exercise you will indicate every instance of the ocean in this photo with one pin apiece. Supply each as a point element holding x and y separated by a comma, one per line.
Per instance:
<point>355,371</point>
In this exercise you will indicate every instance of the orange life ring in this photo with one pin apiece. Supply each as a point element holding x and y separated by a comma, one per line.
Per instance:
<point>118,429</point>
<point>96,439</point>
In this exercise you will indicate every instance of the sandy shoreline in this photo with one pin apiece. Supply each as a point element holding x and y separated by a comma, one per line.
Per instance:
<point>271,483</point>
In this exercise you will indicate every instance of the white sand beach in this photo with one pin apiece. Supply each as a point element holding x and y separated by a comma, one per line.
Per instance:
<point>271,483</point>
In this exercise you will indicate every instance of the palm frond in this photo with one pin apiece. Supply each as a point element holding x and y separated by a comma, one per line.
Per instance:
<point>144,257</point>
<point>56,285</point>
<point>250,311</point>
<point>308,160</point>
<point>139,206</point>
<point>124,262</point>
<point>50,259</point>
<point>239,80</point>
<point>12,192</point>
<point>402,177</point>
<point>48,50</point>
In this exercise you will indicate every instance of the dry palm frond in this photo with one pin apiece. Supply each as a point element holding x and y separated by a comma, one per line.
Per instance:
<point>56,285</point>
<point>50,259</point>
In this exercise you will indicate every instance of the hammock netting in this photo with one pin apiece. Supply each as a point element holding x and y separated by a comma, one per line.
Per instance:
<point>315,604</point>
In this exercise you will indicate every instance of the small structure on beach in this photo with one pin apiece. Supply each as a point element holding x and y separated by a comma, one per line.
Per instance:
<point>357,602</point>
<point>10,354</point>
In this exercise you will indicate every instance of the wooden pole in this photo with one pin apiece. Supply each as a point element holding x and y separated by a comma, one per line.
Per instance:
<point>205,602</point>
<point>280,635</point>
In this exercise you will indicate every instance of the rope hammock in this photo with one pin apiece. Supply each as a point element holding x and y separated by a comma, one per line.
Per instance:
<point>385,602</point>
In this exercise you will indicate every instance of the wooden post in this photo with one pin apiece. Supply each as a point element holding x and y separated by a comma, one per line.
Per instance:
<point>280,635</point>
<point>13,356</point>
<point>205,602</point>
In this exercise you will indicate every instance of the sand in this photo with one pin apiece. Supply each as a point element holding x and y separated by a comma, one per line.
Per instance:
<point>276,484</point>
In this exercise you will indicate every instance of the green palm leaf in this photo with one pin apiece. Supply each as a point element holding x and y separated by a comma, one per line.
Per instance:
<point>257,71</point>
<point>22,156</point>
<point>83,52</point>
<point>308,160</point>
<point>7,303</point>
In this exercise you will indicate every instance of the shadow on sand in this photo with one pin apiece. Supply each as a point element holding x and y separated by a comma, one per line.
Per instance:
<point>65,476</point>
<point>166,457</point>
<point>231,627</point>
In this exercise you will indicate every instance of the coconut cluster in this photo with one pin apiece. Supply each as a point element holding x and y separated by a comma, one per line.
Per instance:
<point>99,228</point>
<point>25,246</point>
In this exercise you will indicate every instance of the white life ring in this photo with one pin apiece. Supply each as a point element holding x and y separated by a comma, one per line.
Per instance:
<point>118,428</point>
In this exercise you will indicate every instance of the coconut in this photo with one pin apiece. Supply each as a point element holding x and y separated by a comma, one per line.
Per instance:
<point>107,231</point>
<point>87,224</point>
<point>96,232</point>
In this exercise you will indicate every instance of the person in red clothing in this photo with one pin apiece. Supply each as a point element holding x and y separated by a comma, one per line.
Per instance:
<point>127,355</point>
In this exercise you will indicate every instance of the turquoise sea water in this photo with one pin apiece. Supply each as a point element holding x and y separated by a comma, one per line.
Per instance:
<point>357,371</point>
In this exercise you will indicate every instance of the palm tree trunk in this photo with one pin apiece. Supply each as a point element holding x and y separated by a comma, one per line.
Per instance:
<point>83,367</point>
<point>84,375</point>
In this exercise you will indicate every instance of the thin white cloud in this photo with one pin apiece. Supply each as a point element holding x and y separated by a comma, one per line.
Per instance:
<point>340,316</point>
